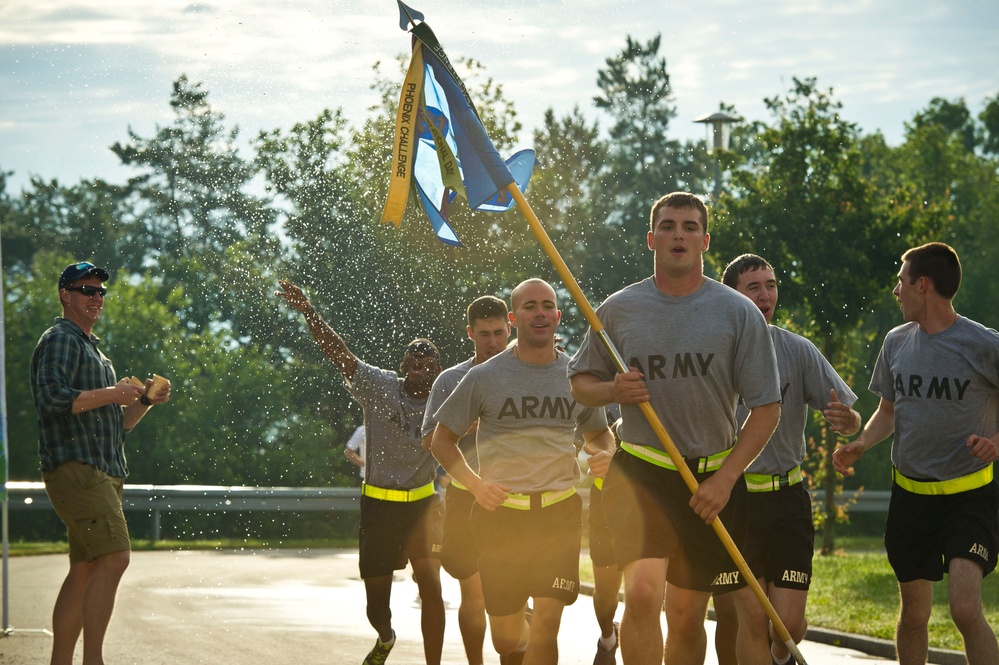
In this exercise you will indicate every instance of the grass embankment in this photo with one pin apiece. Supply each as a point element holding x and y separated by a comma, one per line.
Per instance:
<point>853,590</point>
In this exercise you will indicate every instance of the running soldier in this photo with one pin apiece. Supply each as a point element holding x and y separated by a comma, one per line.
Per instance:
<point>526,519</point>
<point>400,512</point>
<point>489,330</point>
<point>781,536</point>
<point>938,379</point>
<point>694,348</point>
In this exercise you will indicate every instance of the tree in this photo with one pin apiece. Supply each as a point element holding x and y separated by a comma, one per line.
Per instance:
<point>824,224</point>
<point>81,220</point>
<point>567,194</point>
<point>645,163</point>
<point>953,117</point>
<point>191,208</point>
<point>956,180</point>
<point>330,251</point>
<point>990,126</point>
<point>936,174</point>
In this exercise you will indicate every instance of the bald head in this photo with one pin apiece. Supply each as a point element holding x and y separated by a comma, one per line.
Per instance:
<point>535,315</point>
<point>534,286</point>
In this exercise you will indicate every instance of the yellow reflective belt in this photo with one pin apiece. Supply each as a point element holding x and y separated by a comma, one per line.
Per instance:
<point>598,483</point>
<point>523,501</point>
<point>660,458</point>
<point>401,496</point>
<point>972,481</point>
<point>458,485</point>
<point>765,482</point>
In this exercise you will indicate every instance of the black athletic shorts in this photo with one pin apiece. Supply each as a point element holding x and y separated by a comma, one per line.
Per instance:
<point>459,552</point>
<point>652,519</point>
<point>923,533</point>
<point>780,539</point>
<point>394,532</point>
<point>528,554</point>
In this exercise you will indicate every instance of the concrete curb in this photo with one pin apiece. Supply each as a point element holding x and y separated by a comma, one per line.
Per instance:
<point>872,646</point>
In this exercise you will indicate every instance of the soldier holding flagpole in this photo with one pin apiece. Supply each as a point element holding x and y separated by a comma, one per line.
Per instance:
<point>696,347</point>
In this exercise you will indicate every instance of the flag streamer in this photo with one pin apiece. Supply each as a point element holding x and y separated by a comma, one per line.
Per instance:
<point>404,146</point>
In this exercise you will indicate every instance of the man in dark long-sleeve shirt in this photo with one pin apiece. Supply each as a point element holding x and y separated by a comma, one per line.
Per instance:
<point>83,415</point>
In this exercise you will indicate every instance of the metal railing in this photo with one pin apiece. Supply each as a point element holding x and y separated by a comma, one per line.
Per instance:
<point>155,499</point>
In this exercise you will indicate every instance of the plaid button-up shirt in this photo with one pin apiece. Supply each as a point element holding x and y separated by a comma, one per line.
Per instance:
<point>66,362</point>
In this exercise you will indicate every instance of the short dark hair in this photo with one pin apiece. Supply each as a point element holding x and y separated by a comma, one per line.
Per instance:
<point>937,261</point>
<point>486,307</point>
<point>421,346</point>
<point>679,200</point>
<point>741,264</point>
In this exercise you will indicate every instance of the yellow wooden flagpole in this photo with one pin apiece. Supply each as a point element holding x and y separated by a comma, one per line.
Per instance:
<point>688,478</point>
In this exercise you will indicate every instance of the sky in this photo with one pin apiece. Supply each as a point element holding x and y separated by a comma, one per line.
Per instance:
<point>76,75</point>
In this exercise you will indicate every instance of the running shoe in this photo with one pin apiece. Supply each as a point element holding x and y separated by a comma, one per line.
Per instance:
<point>379,653</point>
<point>607,656</point>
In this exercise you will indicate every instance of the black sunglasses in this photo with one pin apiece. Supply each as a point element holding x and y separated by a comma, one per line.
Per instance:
<point>88,290</point>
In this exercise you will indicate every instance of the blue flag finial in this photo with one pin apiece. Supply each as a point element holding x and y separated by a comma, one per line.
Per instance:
<point>408,16</point>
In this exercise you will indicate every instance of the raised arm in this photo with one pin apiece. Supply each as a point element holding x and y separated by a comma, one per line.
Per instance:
<point>330,343</point>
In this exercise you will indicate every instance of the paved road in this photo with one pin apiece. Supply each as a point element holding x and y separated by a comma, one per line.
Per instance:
<point>269,607</point>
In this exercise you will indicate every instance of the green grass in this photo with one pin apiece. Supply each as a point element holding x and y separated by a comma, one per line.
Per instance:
<point>853,590</point>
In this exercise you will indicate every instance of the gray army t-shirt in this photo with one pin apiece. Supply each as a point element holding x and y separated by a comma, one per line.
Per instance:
<point>444,385</point>
<point>945,388</point>
<point>698,353</point>
<point>805,379</point>
<point>395,458</point>
<point>527,422</point>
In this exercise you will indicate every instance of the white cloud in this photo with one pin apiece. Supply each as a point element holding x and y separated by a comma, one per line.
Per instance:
<point>79,72</point>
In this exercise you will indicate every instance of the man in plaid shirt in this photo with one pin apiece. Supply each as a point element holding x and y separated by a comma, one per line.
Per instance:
<point>83,416</point>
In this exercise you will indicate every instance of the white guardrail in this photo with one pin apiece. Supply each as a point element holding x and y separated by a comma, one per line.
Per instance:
<point>155,499</point>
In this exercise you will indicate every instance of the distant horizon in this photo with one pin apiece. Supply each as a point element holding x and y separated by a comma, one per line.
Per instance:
<point>77,77</point>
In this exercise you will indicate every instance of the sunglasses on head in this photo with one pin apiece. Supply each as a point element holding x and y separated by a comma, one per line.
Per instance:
<point>88,290</point>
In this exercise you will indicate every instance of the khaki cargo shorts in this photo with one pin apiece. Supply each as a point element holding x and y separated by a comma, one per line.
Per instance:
<point>88,501</point>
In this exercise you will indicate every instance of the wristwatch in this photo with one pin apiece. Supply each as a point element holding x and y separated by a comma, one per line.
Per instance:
<point>145,400</point>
